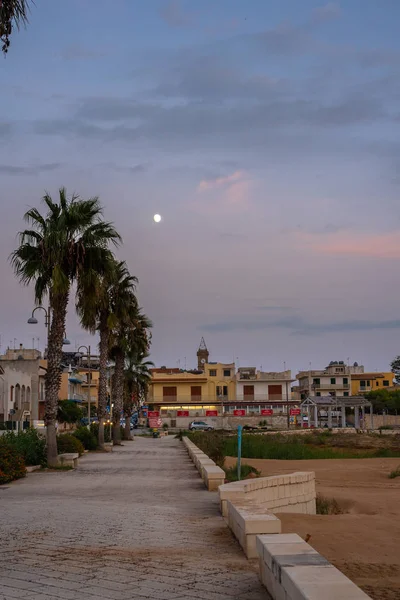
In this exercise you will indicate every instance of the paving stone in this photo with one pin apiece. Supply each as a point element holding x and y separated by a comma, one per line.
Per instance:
<point>134,523</point>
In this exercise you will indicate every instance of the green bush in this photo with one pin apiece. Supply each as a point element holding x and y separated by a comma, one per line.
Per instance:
<point>67,443</point>
<point>94,428</point>
<point>245,470</point>
<point>12,464</point>
<point>395,473</point>
<point>88,439</point>
<point>29,444</point>
<point>69,412</point>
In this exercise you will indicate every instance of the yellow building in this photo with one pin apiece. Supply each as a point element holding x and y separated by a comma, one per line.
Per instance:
<point>361,383</point>
<point>194,391</point>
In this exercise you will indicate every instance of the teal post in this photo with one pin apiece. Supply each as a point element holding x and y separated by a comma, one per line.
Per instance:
<point>239,460</point>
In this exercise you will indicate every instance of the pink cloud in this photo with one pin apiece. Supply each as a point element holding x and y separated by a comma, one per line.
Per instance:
<point>212,184</point>
<point>379,245</point>
<point>222,194</point>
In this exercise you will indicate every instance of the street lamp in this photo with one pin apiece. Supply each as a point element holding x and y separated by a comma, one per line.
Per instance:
<point>79,355</point>
<point>47,320</point>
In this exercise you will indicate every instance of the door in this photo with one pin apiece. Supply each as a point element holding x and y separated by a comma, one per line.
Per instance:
<point>248,393</point>
<point>169,394</point>
<point>195,393</point>
<point>275,392</point>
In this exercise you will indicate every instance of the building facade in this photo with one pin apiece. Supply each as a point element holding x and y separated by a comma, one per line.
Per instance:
<point>334,380</point>
<point>19,384</point>
<point>361,383</point>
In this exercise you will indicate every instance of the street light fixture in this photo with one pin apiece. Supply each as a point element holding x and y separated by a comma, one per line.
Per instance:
<point>47,318</point>
<point>78,354</point>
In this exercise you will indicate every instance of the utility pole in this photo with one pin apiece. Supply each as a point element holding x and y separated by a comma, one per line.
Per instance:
<point>287,398</point>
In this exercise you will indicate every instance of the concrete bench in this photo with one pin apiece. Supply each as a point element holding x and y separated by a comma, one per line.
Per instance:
<point>291,569</point>
<point>246,521</point>
<point>69,459</point>
<point>108,446</point>
<point>294,492</point>
<point>213,477</point>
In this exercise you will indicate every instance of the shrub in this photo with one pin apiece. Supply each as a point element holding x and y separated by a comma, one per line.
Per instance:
<point>29,444</point>
<point>395,473</point>
<point>69,443</point>
<point>245,470</point>
<point>94,428</point>
<point>165,426</point>
<point>88,439</point>
<point>211,443</point>
<point>328,506</point>
<point>12,464</point>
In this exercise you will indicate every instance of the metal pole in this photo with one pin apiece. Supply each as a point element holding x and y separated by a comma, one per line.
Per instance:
<point>239,460</point>
<point>89,384</point>
<point>287,399</point>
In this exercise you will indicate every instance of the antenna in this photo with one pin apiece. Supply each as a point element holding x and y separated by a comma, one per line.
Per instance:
<point>185,363</point>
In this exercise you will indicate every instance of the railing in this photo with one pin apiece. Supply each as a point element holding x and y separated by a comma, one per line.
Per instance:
<point>254,399</point>
<point>330,386</point>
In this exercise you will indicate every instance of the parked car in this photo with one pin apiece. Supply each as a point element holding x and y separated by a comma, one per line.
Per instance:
<point>200,426</point>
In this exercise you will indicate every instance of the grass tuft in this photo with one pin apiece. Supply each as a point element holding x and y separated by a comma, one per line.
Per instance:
<point>328,506</point>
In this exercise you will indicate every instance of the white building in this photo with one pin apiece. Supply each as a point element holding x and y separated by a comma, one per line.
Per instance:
<point>335,380</point>
<point>19,384</point>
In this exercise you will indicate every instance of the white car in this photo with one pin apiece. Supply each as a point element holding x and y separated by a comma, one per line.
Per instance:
<point>200,426</point>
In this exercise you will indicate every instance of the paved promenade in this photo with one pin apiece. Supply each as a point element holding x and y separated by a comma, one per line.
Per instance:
<point>136,523</point>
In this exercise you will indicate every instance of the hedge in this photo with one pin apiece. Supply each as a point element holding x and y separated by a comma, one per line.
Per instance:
<point>12,464</point>
<point>67,443</point>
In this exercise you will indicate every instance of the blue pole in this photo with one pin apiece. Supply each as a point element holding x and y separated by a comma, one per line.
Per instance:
<point>239,460</point>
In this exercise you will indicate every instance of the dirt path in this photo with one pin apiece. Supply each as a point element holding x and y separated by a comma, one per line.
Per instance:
<point>136,523</point>
<point>364,543</point>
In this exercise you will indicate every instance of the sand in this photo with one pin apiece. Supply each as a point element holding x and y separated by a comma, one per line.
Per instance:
<point>364,543</point>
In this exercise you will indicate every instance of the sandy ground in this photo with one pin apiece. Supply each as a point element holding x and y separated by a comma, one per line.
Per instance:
<point>365,542</point>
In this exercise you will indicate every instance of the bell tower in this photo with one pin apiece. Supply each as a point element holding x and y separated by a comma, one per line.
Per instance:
<point>202,355</point>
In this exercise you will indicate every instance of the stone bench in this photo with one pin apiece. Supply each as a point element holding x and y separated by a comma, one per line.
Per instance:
<point>212,475</point>
<point>291,569</point>
<point>246,521</point>
<point>108,446</point>
<point>69,459</point>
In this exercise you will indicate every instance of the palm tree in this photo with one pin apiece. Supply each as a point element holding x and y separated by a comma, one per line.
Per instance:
<point>125,309</point>
<point>69,243</point>
<point>96,302</point>
<point>12,12</point>
<point>137,375</point>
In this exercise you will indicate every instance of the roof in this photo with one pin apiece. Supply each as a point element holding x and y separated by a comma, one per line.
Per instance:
<point>347,401</point>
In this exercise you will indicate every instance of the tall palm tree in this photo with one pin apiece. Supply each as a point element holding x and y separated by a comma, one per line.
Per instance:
<point>137,375</point>
<point>96,303</point>
<point>125,308</point>
<point>70,243</point>
<point>12,12</point>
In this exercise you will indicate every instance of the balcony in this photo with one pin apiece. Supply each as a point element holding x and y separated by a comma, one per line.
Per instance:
<point>330,386</point>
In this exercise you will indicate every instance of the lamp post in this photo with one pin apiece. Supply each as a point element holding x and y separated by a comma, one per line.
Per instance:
<point>79,355</point>
<point>47,322</point>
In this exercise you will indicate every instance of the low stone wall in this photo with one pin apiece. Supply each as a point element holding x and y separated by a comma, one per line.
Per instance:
<point>291,569</point>
<point>294,493</point>
<point>212,475</point>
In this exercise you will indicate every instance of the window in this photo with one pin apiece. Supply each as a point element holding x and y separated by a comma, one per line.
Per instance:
<point>222,391</point>
<point>345,380</point>
<point>213,372</point>
<point>333,380</point>
<point>345,394</point>
<point>227,372</point>
<point>362,383</point>
<point>318,394</point>
<point>368,383</point>
<point>377,384</point>
<point>316,381</point>
<point>385,383</point>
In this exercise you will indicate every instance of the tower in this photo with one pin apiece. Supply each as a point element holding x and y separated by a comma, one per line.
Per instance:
<point>202,355</point>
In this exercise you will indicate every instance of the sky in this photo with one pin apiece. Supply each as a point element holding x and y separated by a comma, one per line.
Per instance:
<point>266,134</point>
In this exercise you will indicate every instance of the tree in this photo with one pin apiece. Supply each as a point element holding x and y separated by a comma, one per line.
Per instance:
<point>69,412</point>
<point>12,13</point>
<point>388,400</point>
<point>125,310</point>
<point>395,366</point>
<point>137,375</point>
<point>70,243</point>
<point>96,302</point>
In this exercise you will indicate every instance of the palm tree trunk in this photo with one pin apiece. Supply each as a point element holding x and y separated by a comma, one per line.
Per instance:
<point>118,389</point>
<point>102,401</point>
<point>53,375</point>
<point>127,430</point>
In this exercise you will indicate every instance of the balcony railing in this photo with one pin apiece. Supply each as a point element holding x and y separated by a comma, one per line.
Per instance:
<point>330,386</point>
<point>184,399</point>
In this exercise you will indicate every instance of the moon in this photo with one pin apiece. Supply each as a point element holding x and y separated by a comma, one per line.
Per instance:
<point>157,218</point>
